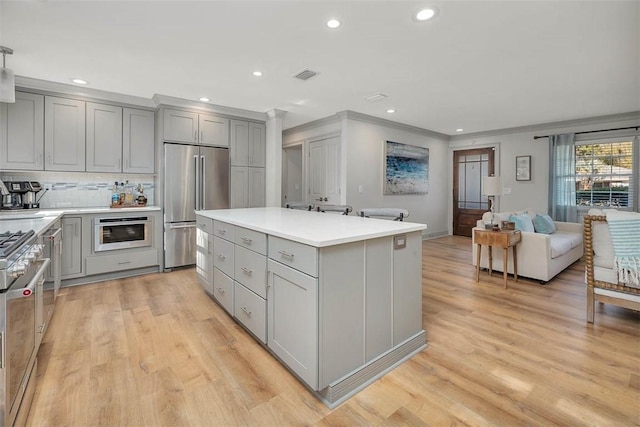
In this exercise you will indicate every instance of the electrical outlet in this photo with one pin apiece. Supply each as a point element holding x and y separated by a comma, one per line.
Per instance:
<point>360,189</point>
<point>506,190</point>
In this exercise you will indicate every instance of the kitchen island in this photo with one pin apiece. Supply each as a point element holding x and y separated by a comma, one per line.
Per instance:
<point>337,299</point>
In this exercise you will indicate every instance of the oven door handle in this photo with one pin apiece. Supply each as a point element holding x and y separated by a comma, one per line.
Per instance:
<point>30,289</point>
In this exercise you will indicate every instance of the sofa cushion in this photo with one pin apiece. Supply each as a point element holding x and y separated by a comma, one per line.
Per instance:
<point>561,243</point>
<point>544,224</point>
<point>523,222</point>
<point>602,246</point>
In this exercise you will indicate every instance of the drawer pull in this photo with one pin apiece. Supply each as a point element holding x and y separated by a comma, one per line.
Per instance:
<point>221,257</point>
<point>246,240</point>
<point>246,270</point>
<point>124,262</point>
<point>221,230</point>
<point>286,254</point>
<point>245,310</point>
<point>221,290</point>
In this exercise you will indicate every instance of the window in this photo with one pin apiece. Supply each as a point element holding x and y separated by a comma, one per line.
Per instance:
<point>605,174</point>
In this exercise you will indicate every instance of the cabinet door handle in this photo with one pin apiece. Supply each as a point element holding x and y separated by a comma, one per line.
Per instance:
<point>245,310</point>
<point>286,254</point>
<point>222,257</point>
<point>221,230</point>
<point>195,135</point>
<point>246,240</point>
<point>221,290</point>
<point>201,135</point>
<point>246,270</point>
<point>124,262</point>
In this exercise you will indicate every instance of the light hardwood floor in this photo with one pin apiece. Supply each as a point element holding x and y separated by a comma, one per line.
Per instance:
<point>156,351</point>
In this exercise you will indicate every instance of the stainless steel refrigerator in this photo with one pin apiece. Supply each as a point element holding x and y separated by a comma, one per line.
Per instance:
<point>195,178</point>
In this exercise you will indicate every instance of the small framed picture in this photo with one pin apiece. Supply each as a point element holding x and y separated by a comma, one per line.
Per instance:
<point>523,168</point>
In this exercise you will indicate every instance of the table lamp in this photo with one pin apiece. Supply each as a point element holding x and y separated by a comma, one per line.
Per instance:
<point>492,187</point>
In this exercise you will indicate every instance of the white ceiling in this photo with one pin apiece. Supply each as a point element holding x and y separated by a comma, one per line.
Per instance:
<point>479,65</point>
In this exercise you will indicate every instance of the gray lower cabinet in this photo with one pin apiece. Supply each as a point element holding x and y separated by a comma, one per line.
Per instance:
<point>110,263</point>
<point>22,133</point>
<point>293,320</point>
<point>64,134</point>
<point>71,259</point>
<point>204,253</point>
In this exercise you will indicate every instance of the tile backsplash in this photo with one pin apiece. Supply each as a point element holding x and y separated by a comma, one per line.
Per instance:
<point>78,189</point>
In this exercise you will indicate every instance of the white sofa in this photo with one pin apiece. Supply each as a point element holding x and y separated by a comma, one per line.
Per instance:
<point>601,277</point>
<point>540,256</point>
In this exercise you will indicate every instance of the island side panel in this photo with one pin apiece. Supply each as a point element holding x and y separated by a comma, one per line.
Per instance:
<point>407,291</point>
<point>341,307</point>
<point>378,297</point>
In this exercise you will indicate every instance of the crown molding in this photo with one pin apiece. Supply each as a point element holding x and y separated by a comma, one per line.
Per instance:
<point>276,114</point>
<point>57,89</point>
<point>311,125</point>
<point>353,115</point>
<point>170,101</point>
<point>545,127</point>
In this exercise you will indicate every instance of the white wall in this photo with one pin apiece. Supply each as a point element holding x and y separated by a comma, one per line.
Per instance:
<point>527,194</point>
<point>365,166</point>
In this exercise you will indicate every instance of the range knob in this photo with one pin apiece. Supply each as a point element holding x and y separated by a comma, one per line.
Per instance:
<point>17,270</point>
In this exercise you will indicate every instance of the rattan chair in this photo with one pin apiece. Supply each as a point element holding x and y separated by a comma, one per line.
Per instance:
<point>598,290</point>
<point>301,206</point>
<point>343,209</point>
<point>394,214</point>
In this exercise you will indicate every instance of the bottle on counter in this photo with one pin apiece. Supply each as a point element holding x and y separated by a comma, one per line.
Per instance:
<point>122,195</point>
<point>128,194</point>
<point>115,196</point>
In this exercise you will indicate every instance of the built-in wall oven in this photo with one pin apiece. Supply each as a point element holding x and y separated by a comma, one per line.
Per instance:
<point>122,233</point>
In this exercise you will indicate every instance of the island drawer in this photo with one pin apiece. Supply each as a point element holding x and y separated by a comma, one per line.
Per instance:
<point>224,230</point>
<point>296,255</point>
<point>251,270</point>
<point>223,255</point>
<point>251,310</point>
<point>223,290</point>
<point>204,224</point>
<point>121,261</point>
<point>251,239</point>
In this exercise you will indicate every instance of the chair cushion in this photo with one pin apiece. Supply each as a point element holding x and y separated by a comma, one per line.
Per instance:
<point>561,243</point>
<point>544,224</point>
<point>523,222</point>
<point>602,247</point>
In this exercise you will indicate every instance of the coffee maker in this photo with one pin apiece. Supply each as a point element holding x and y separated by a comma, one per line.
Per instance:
<point>21,194</point>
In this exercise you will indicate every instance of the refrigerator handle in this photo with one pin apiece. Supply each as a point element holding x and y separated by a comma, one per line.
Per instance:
<point>197,174</point>
<point>203,173</point>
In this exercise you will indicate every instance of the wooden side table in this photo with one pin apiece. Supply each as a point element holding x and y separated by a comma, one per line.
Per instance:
<point>504,239</point>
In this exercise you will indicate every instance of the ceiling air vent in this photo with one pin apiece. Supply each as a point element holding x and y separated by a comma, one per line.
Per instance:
<point>305,75</point>
<point>375,97</point>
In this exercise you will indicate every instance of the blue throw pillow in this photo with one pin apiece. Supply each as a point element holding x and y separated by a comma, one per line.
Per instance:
<point>544,224</point>
<point>523,222</point>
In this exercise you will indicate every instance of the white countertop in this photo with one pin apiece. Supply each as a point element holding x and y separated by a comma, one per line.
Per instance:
<point>40,220</point>
<point>311,228</point>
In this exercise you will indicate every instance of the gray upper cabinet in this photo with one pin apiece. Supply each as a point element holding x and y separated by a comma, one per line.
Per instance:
<point>194,128</point>
<point>64,134</point>
<point>213,130</point>
<point>180,126</point>
<point>104,138</point>
<point>21,133</point>
<point>138,147</point>
<point>248,142</point>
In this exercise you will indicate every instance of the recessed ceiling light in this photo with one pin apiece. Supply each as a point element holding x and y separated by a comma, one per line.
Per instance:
<point>79,81</point>
<point>205,99</point>
<point>426,14</point>
<point>333,23</point>
<point>459,130</point>
<point>257,73</point>
<point>391,111</point>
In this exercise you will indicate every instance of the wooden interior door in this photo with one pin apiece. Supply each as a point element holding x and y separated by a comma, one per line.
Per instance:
<point>469,167</point>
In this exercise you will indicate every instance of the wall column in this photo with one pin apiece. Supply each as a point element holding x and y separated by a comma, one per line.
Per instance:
<point>273,172</point>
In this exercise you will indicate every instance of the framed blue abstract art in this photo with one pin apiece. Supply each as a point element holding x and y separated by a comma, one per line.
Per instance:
<point>406,169</point>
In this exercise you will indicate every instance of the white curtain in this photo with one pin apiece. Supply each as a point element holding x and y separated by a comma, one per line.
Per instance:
<point>562,178</point>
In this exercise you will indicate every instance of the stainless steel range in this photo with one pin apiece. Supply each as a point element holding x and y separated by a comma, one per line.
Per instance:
<point>22,268</point>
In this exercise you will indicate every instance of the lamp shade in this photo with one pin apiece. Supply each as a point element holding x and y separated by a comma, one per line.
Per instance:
<point>491,186</point>
<point>7,86</point>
